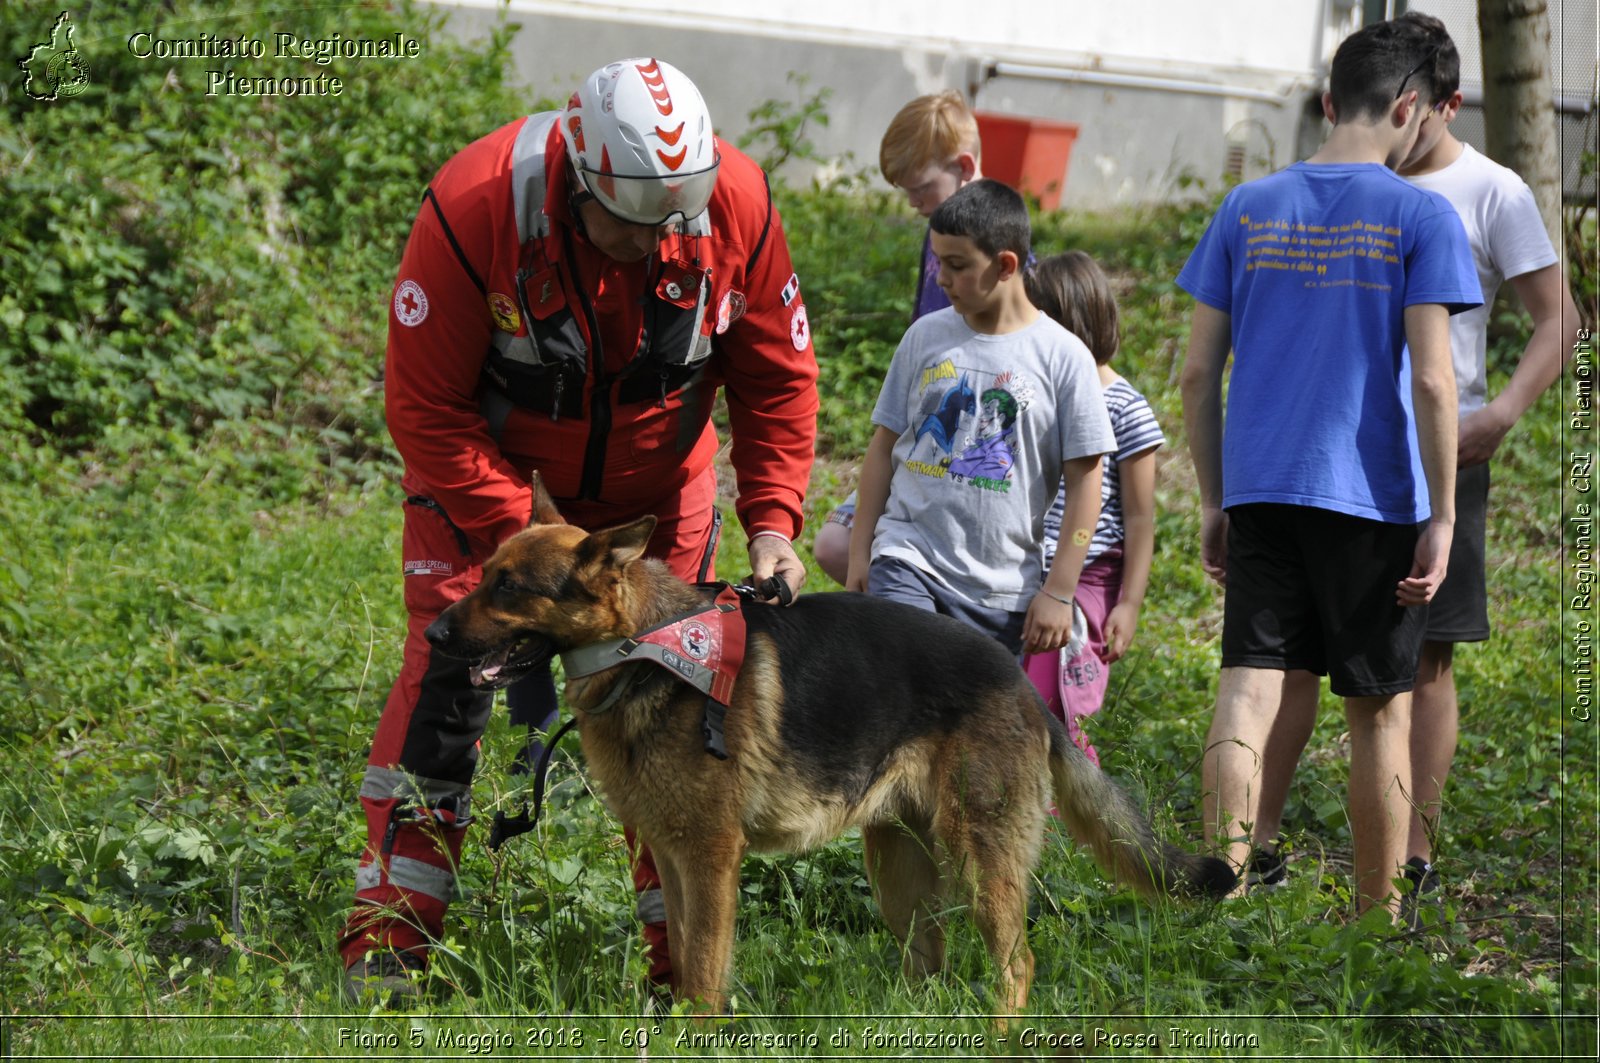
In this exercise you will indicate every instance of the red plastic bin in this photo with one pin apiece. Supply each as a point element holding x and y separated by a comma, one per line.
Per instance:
<point>1030,154</point>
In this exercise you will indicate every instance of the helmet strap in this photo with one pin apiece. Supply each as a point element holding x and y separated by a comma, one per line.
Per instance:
<point>579,195</point>
<point>583,196</point>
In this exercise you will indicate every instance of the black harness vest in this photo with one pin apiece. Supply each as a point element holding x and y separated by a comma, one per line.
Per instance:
<point>543,366</point>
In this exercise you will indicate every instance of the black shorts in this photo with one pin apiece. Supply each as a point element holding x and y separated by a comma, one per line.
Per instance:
<point>1460,611</point>
<point>1315,590</point>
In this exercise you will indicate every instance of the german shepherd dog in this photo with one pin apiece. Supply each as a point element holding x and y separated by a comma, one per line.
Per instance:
<point>849,711</point>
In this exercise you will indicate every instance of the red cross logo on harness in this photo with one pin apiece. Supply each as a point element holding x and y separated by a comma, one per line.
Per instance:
<point>696,640</point>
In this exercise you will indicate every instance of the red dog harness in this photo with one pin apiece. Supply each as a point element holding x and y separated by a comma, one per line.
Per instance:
<point>704,649</point>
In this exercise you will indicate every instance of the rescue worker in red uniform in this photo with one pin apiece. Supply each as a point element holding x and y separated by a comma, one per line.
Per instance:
<point>576,287</point>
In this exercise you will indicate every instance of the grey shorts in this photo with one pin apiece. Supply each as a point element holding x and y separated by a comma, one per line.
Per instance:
<point>1459,612</point>
<point>898,581</point>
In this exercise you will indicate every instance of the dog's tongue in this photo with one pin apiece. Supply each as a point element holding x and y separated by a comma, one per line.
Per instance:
<point>488,669</point>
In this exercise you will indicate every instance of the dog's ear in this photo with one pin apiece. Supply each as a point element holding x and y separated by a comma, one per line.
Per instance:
<point>544,507</point>
<point>617,546</point>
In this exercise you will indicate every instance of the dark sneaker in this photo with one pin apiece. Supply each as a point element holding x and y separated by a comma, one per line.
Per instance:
<point>388,979</point>
<point>1267,869</point>
<point>1422,887</point>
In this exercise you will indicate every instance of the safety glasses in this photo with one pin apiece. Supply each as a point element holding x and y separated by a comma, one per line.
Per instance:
<point>653,200</point>
<point>1433,54</point>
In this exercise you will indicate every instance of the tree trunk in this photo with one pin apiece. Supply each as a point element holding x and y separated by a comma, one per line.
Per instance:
<point>1518,99</point>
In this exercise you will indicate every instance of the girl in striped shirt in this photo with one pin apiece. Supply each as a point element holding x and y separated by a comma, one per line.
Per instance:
<point>1074,290</point>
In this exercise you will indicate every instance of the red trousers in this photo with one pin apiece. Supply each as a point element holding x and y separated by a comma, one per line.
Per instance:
<point>417,788</point>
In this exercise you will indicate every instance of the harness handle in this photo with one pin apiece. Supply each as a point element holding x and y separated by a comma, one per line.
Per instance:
<point>774,586</point>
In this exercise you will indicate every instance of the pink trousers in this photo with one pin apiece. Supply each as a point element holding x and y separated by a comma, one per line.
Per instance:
<point>1075,687</point>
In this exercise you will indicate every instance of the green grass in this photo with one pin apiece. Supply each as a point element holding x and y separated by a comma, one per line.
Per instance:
<point>191,678</point>
<point>200,615</point>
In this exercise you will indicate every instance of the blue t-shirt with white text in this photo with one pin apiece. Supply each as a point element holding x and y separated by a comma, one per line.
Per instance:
<point>1316,265</point>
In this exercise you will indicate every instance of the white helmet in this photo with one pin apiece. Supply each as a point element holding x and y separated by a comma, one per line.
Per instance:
<point>639,136</point>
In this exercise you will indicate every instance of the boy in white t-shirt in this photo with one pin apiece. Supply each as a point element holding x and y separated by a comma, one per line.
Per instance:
<point>988,406</point>
<point>1509,242</point>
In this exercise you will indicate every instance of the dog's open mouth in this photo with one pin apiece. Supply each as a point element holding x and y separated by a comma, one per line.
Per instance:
<point>501,669</point>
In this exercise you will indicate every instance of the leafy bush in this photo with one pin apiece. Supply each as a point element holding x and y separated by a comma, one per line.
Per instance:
<point>184,269</point>
<point>856,253</point>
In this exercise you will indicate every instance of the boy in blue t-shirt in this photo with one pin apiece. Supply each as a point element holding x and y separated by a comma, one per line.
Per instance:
<point>1509,243</point>
<point>1318,278</point>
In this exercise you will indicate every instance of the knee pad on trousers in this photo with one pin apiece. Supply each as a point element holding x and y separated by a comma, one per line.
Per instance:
<point>407,875</point>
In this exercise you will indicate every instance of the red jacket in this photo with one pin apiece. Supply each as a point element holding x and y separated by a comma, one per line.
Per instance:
<point>622,427</point>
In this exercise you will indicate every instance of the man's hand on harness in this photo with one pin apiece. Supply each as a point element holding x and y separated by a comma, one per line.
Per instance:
<point>773,556</point>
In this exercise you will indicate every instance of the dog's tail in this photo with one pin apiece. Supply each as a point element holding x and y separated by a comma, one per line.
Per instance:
<point>1101,816</point>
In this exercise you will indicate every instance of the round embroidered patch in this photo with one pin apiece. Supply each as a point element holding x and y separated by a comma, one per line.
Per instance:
<point>504,312</point>
<point>729,310</point>
<point>410,304</point>
<point>695,640</point>
<point>799,328</point>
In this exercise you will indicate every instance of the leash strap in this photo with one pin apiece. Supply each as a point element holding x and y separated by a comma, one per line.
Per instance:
<point>711,544</point>
<point>774,586</point>
<point>506,827</point>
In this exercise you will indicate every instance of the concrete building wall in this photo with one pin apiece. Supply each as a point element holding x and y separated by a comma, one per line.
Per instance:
<point>1169,95</point>
<point>1163,91</point>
